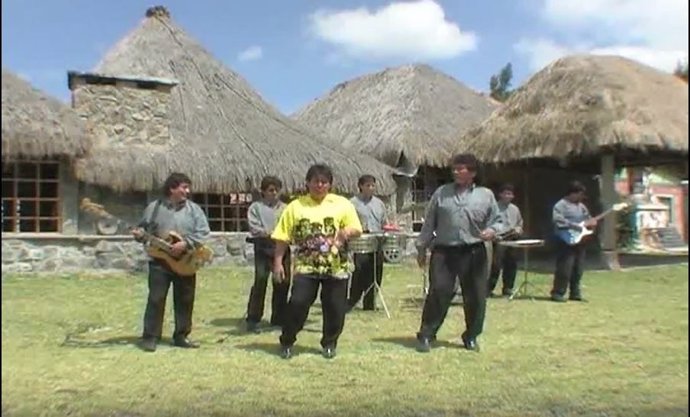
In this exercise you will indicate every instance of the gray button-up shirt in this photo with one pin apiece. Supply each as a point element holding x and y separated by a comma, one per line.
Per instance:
<point>510,216</point>
<point>372,213</point>
<point>262,217</point>
<point>458,218</point>
<point>567,215</point>
<point>187,219</point>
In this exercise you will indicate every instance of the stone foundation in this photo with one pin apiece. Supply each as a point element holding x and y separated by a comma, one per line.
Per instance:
<point>70,254</point>
<point>80,253</point>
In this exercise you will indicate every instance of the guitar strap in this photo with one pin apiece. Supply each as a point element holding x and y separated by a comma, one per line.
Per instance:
<point>152,226</point>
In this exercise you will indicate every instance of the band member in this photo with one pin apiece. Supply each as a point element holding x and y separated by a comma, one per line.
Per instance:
<point>173,212</point>
<point>504,259</point>
<point>460,217</point>
<point>567,214</point>
<point>262,216</point>
<point>318,224</point>
<point>372,214</point>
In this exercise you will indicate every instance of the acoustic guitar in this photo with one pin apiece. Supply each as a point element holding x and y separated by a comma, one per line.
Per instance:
<point>574,236</point>
<point>186,264</point>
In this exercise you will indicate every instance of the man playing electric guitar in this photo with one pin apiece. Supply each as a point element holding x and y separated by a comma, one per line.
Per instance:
<point>570,214</point>
<point>173,213</point>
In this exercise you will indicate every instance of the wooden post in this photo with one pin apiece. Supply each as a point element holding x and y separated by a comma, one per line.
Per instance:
<point>608,199</point>
<point>526,213</point>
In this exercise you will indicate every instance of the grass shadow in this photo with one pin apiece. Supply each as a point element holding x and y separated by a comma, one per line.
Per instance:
<point>410,342</point>
<point>274,349</point>
<point>72,342</point>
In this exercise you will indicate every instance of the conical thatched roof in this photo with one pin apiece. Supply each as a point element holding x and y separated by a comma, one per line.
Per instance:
<point>224,135</point>
<point>35,125</point>
<point>585,104</point>
<point>408,115</point>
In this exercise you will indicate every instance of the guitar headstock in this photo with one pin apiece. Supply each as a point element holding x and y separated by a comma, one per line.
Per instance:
<point>88,206</point>
<point>620,206</point>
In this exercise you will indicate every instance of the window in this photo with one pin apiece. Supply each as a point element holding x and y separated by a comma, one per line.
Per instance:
<point>31,196</point>
<point>667,200</point>
<point>225,212</point>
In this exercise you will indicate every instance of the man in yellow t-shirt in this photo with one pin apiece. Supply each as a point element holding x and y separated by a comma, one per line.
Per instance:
<point>317,225</point>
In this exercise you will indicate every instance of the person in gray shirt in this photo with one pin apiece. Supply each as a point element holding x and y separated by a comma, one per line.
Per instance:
<point>568,213</point>
<point>372,214</point>
<point>459,219</point>
<point>262,216</point>
<point>173,212</point>
<point>504,259</point>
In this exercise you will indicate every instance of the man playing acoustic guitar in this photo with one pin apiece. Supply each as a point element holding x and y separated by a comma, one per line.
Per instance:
<point>173,213</point>
<point>568,214</point>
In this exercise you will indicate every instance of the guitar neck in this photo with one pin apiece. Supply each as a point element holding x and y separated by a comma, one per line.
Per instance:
<point>148,237</point>
<point>604,214</point>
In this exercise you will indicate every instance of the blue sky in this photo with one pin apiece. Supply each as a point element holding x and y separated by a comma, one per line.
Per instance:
<point>295,51</point>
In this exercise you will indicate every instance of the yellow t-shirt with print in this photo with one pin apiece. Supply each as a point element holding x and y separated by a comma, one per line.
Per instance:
<point>311,227</point>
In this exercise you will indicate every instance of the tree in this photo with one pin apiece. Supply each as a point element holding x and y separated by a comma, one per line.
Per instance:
<point>682,71</point>
<point>499,84</point>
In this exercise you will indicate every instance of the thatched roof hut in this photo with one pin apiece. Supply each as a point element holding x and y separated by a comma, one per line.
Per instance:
<point>223,134</point>
<point>35,125</point>
<point>406,117</point>
<point>584,105</point>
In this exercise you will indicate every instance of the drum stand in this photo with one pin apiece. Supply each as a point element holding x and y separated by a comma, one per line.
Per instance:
<point>376,287</point>
<point>522,289</point>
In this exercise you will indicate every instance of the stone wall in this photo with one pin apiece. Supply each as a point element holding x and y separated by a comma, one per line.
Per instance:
<point>113,253</point>
<point>84,253</point>
<point>124,115</point>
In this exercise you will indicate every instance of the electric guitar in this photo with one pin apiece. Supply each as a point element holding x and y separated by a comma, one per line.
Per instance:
<point>159,248</point>
<point>573,236</point>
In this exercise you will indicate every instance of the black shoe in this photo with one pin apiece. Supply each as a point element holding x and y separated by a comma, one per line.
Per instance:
<point>185,343</point>
<point>148,345</point>
<point>492,295</point>
<point>577,297</point>
<point>507,293</point>
<point>423,345</point>
<point>470,344</point>
<point>558,298</point>
<point>328,352</point>
<point>286,352</point>
<point>252,327</point>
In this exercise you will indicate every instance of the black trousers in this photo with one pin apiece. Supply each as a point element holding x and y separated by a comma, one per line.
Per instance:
<point>363,278</point>
<point>504,260</point>
<point>448,263</point>
<point>184,289</point>
<point>263,265</point>
<point>333,306</point>
<point>569,269</point>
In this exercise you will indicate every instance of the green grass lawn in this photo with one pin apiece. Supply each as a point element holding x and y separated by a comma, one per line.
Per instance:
<point>68,350</point>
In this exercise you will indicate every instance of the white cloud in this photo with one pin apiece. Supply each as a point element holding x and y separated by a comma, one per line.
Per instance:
<point>252,53</point>
<point>654,33</point>
<point>414,30</point>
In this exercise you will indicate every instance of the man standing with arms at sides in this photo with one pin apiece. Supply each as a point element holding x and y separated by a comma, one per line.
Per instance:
<point>318,224</point>
<point>372,214</point>
<point>173,213</point>
<point>462,216</point>
<point>504,256</point>
<point>567,214</point>
<point>262,216</point>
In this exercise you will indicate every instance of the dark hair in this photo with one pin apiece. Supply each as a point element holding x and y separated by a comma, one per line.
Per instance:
<point>366,179</point>
<point>173,181</point>
<point>269,180</point>
<point>575,187</point>
<point>320,170</point>
<point>506,187</point>
<point>467,159</point>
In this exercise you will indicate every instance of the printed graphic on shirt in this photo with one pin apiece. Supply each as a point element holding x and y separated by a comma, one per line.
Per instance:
<point>316,250</point>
